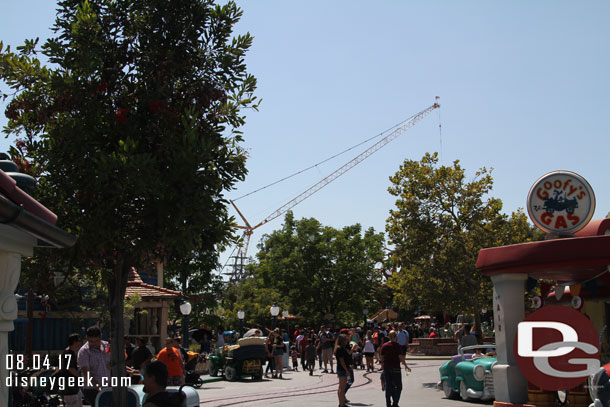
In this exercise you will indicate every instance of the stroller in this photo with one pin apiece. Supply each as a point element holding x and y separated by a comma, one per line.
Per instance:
<point>193,373</point>
<point>357,356</point>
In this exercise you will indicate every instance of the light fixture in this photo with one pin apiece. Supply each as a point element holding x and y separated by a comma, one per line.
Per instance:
<point>275,310</point>
<point>185,308</point>
<point>285,313</point>
<point>241,314</point>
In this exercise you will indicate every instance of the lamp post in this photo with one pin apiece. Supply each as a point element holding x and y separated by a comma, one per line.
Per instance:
<point>241,315</point>
<point>185,310</point>
<point>365,311</point>
<point>285,314</point>
<point>275,310</point>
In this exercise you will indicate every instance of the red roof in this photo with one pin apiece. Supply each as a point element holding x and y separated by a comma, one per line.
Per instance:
<point>9,188</point>
<point>578,258</point>
<point>135,285</point>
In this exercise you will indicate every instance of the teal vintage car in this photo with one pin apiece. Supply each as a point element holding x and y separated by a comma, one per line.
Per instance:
<point>468,375</point>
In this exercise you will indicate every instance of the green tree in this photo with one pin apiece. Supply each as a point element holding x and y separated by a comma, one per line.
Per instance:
<point>321,270</point>
<point>440,222</point>
<point>133,129</point>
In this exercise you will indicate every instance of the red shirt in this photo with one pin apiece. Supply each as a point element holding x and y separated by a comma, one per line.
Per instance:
<point>432,335</point>
<point>390,352</point>
<point>303,343</point>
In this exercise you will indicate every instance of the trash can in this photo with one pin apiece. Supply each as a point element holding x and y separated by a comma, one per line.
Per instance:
<point>136,396</point>
<point>104,398</point>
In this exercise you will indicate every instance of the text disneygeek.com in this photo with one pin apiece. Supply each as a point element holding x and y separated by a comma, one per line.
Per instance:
<point>61,383</point>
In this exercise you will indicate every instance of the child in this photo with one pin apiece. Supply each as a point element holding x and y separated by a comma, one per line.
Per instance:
<point>310,353</point>
<point>295,356</point>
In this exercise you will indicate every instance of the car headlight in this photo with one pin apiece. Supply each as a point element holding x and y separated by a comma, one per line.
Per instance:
<point>479,373</point>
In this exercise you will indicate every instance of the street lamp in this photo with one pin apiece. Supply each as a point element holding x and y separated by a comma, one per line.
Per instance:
<point>241,315</point>
<point>365,311</point>
<point>275,310</point>
<point>185,310</point>
<point>285,314</point>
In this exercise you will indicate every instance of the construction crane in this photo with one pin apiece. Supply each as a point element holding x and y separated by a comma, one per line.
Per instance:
<point>238,271</point>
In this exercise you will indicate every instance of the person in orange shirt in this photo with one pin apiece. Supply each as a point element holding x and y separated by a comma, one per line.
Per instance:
<point>175,366</point>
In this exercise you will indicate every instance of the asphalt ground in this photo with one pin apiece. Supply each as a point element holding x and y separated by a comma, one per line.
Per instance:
<point>300,389</point>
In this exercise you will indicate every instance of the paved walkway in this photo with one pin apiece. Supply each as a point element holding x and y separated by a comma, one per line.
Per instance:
<point>300,389</point>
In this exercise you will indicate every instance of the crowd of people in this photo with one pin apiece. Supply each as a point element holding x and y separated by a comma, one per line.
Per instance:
<point>91,360</point>
<point>382,348</point>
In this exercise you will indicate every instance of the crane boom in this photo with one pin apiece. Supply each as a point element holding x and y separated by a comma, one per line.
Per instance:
<point>349,165</point>
<point>238,271</point>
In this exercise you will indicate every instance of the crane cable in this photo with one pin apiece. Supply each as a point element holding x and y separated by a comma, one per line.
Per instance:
<point>325,160</point>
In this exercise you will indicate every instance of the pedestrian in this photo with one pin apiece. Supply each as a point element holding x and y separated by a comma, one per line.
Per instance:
<point>155,381</point>
<point>343,367</point>
<point>469,338</point>
<point>301,346</point>
<point>391,358</point>
<point>220,337</point>
<point>172,359</point>
<point>140,356</point>
<point>278,354</point>
<point>310,352</point>
<point>369,351</point>
<point>72,395</point>
<point>327,341</point>
<point>403,338</point>
<point>270,358</point>
<point>129,348</point>
<point>294,355</point>
<point>94,361</point>
<point>432,333</point>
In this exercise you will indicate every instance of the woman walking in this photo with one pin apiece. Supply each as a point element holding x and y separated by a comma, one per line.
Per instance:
<point>270,358</point>
<point>343,367</point>
<point>369,351</point>
<point>278,353</point>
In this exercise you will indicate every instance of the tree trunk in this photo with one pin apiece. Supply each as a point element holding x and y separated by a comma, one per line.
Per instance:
<point>117,286</point>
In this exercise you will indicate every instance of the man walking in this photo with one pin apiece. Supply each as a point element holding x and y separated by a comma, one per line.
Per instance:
<point>391,357</point>
<point>403,338</point>
<point>94,361</point>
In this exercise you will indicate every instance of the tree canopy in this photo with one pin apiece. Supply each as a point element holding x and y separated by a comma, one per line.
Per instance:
<point>440,222</point>
<point>133,129</point>
<point>314,270</point>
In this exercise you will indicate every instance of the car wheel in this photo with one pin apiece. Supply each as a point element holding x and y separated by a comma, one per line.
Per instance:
<point>449,392</point>
<point>230,374</point>
<point>259,375</point>
<point>464,391</point>
<point>213,371</point>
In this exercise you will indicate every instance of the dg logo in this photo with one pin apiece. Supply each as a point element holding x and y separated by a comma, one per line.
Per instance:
<point>556,348</point>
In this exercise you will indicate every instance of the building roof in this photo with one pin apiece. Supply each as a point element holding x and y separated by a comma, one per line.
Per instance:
<point>21,211</point>
<point>135,285</point>
<point>579,258</point>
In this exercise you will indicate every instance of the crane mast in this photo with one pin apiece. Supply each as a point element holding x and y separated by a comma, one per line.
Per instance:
<point>238,272</point>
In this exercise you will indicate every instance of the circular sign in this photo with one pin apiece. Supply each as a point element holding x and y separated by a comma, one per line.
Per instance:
<point>561,202</point>
<point>556,348</point>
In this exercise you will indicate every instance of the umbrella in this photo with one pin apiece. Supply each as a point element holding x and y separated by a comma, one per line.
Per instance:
<point>197,334</point>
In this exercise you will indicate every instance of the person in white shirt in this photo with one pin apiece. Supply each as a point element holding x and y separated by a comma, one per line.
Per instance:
<point>403,338</point>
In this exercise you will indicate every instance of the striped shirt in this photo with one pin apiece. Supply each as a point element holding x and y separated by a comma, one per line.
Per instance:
<point>96,361</point>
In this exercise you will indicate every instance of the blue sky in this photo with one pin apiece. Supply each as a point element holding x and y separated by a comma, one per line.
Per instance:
<point>523,86</point>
